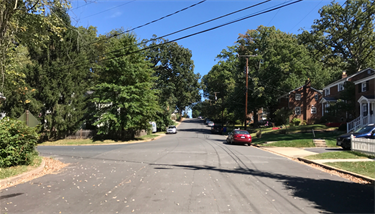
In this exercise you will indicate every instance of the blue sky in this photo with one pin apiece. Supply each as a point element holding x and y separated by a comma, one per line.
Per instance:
<point>107,15</point>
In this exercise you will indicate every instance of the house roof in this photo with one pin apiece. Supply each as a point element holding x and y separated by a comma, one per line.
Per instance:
<point>284,95</point>
<point>328,99</point>
<point>346,78</point>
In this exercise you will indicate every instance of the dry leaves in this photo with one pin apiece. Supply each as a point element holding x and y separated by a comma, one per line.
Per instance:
<point>51,166</point>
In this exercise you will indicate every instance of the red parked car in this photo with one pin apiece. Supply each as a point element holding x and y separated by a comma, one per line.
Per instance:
<point>239,137</point>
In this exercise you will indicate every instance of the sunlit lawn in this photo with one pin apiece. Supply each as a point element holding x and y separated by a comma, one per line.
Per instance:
<point>97,142</point>
<point>296,139</point>
<point>362,168</point>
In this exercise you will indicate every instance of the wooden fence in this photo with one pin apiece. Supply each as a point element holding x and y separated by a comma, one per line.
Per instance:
<point>363,145</point>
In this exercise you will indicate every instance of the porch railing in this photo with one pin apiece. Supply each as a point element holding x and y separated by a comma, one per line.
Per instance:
<point>354,124</point>
<point>359,122</point>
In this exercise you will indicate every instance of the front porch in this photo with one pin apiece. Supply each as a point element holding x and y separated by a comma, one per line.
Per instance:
<point>366,116</point>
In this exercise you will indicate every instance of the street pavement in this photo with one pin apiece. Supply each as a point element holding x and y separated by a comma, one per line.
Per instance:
<point>192,171</point>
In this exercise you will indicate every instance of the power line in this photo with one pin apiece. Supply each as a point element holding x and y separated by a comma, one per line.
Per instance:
<point>210,29</point>
<point>109,9</point>
<point>171,14</point>
<point>305,16</point>
<point>228,14</point>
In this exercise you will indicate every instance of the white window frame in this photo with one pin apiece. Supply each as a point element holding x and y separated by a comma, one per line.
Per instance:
<point>297,95</point>
<point>327,91</point>
<point>363,86</point>
<point>297,111</point>
<point>314,110</point>
<point>340,87</point>
<point>325,107</point>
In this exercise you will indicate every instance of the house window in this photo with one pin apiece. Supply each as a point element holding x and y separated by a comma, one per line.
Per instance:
<point>316,97</point>
<point>327,91</point>
<point>364,88</point>
<point>313,110</point>
<point>341,87</point>
<point>326,107</point>
<point>297,110</point>
<point>298,97</point>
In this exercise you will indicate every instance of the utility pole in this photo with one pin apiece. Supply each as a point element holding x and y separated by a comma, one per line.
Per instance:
<point>222,109</point>
<point>247,76</point>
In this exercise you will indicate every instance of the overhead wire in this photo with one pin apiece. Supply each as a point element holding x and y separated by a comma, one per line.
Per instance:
<point>210,29</point>
<point>193,26</point>
<point>109,9</point>
<point>153,21</point>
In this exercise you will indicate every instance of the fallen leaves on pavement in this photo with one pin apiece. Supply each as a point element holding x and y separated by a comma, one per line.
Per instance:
<point>51,166</point>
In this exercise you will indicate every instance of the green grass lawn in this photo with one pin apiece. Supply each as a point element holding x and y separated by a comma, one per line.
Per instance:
<point>17,170</point>
<point>296,139</point>
<point>96,142</point>
<point>362,168</point>
<point>339,155</point>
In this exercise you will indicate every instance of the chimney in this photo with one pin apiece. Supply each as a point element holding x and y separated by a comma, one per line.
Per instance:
<point>344,75</point>
<point>308,82</point>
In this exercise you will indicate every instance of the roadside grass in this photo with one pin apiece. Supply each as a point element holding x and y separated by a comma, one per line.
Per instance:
<point>362,168</point>
<point>17,170</point>
<point>296,139</point>
<point>65,142</point>
<point>339,155</point>
<point>289,130</point>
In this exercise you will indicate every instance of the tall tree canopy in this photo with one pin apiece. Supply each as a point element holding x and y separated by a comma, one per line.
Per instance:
<point>346,32</point>
<point>26,22</point>
<point>176,81</point>
<point>56,81</point>
<point>124,95</point>
<point>279,65</point>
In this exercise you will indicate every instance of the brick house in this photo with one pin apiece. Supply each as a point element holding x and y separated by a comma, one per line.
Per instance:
<point>364,81</point>
<point>331,94</point>
<point>305,102</point>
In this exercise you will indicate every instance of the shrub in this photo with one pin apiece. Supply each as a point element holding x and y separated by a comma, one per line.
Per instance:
<point>303,123</point>
<point>296,121</point>
<point>343,127</point>
<point>17,143</point>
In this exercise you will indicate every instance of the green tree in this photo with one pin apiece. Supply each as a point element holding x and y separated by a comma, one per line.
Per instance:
<point>26,22</point>
<point>220,79</point>
<point>56,82</point>
<point>176,82</point>
<point>279,65</point>
<point>347,32</point>
<point>123,95</point>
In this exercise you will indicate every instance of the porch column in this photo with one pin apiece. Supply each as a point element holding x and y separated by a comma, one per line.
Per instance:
<point>323,109</point>
<point>360,113</point>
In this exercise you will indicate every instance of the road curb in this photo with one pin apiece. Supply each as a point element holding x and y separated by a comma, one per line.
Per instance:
<point>23,175</point>
<point>372,181</point>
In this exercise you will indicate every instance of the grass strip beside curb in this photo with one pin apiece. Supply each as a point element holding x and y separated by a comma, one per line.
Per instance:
<point>368,179</point>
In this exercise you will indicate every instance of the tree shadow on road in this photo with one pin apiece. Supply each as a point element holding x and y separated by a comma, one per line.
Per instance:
<point>328,195</point>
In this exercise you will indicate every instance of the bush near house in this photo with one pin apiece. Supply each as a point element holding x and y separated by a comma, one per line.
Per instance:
<point>17,143</point>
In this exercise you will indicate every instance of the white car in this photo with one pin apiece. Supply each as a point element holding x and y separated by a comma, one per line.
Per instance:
<point>171,130</point>
<point>210,124</point>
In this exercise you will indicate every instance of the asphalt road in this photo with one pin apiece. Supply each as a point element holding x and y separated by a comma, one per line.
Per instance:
<point>188,172</point>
